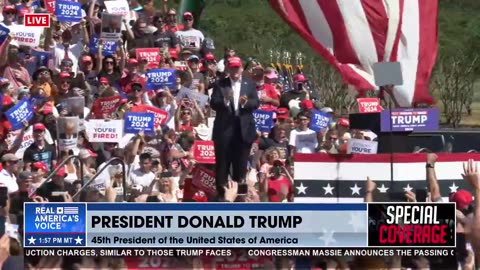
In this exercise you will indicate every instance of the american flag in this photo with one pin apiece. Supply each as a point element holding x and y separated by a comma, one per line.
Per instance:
<point>70,210</point>
<point>329,178</point>
<point>352,35</point>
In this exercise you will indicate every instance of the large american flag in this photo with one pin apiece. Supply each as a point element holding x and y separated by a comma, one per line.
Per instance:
<point>336,178</point>
<point>352,35</point>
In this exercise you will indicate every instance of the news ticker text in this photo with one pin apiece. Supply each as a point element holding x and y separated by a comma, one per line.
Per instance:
<point>117,225</point>
<point>250,252</point>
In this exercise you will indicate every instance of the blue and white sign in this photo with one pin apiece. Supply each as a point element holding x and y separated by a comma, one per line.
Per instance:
<point>109,46</point>
<point>55,225</point>
<point>4,31</point>
<point>161,78</point>
<point>263,120</point>
<point>21,112</point>
<point>319,121</point>
<point>68,11</point>
<point>137,121</point>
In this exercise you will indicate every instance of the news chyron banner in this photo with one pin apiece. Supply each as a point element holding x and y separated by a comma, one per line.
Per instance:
<point>125,229</point>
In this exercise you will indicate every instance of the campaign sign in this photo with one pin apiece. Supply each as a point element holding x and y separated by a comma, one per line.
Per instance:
<point>21,112</point>
<point>55,225</point>
<point>409,119</point>
<point>105,106</point>
<point>68,11</point>
<point>50,6</point>
<point>160,115</point>
<point>109,46</point>
<point>263,120</point>
<point>369,105</point>
<point>161,78</point>
<point>4,31</point>
<point>319,121</point>
<point>204,179</point>
<point>204,152</point>
<point>137,121</point>
<point>362,146</point>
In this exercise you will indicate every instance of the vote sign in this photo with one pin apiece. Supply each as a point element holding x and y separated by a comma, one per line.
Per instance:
<point>161,78</point>
<point>263,120</point>
<point>369,105</point>
<point>68,11</point>
<point>204,152</point>
<point>21,112</point>
<point>138,121</point>
<point>410,119</point>
<point>319,121</point>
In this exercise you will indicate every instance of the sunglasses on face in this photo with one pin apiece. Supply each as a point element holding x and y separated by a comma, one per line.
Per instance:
<point>137,89</point>
<point>109,63</point>
<point>65,82</point>
<point>186,113</point>
<point>9,13</point>
<point>44,73</point>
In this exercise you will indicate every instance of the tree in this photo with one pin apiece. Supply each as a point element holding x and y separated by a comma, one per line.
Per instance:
<point>454,80</point>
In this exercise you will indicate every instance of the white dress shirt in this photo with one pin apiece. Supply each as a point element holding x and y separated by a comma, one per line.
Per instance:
<point>9,181</point>
<point>236,85</point>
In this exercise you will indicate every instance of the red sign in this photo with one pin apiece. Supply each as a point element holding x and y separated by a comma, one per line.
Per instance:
<point>160,115</point>
<point>151,55</point>
<point>105,106</point>
<point>369,105</point>
<point>50,6</point>
<point>39,20</point>
<point>204,152</point>
<point>204,179</point>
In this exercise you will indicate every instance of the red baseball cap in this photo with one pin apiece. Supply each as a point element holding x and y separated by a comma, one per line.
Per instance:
<point>40,165</point>
<point>282,113</point>
<point>62,172</point>
<point>64,75</point>
<point>462,198</point>
<point>103,80</point>
<point>39,126</point>
<point>343,122</point>
<point>187,14</point>
<point>234,62</point>
<point>132,61</point>
<point>173,53</point>
<point>7,100</point>
<point>209,57</point>
<point>306,104</point>
<point>9,8</point>
<point>299,78</point>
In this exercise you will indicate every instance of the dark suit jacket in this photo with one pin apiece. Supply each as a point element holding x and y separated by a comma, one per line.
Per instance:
<point>225,115</point>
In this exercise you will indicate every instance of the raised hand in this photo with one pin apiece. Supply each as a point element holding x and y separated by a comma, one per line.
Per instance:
<point>470,174</point>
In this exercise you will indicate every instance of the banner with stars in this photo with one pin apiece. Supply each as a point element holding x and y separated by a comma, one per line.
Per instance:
<point>55,225</point>
<point>321,178</point>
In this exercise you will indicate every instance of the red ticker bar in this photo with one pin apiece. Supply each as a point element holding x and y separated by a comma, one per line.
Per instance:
<point>251,252</point>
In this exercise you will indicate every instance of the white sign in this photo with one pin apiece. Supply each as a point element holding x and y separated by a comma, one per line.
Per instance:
<point>194,95</point>
<point>358,146</point>
<point>104,131</point>
<point>117,7</point>
<point>26,36</point>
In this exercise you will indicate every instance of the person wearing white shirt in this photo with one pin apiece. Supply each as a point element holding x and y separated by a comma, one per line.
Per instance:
<point>189,37</point>
<point>8,15</point>
<point>66,50</point>
<point>303,139</point>
<point>7,174</point>
<point>143,176</point>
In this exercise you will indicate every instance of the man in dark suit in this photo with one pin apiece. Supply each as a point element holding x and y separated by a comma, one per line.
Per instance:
<point>234,99</point>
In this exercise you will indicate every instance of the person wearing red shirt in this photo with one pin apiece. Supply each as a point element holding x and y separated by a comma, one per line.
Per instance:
<point>279,184</point>
<point>172,25</point>
<point>268,95</point>
<point>132,75</point>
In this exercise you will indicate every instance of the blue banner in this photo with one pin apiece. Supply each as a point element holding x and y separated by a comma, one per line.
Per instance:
<point>21,112</point>
<point>408,119</point>
<point>109,46</point>
<point>161,78</point>
<point>137,121</point>
<point>4,31</point>
<point>319,121</point>
<point>55,224</point>
<point>263,120</point>
<point>68,11</point>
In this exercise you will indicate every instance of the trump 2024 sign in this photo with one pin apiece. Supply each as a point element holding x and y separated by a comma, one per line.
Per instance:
<point>410,120</point>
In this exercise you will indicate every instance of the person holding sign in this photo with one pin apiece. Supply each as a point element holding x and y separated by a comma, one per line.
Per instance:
<point>234,99</point>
